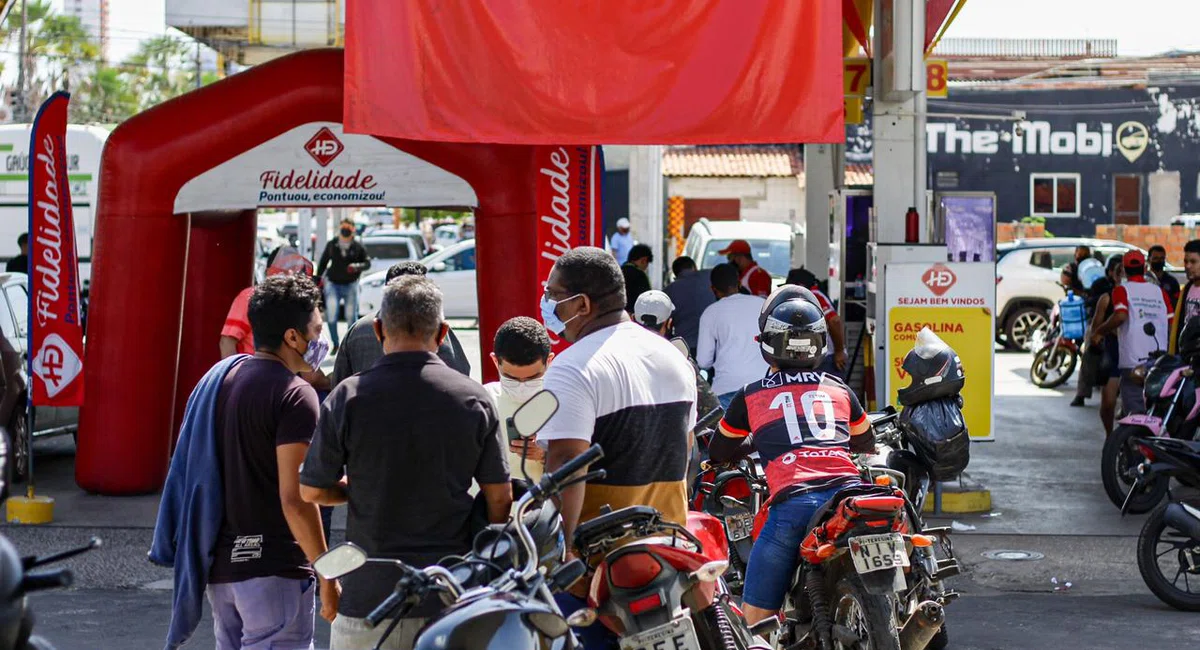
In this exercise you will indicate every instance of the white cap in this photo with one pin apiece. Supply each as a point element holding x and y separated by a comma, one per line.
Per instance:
<point>623,223</point>
<point>654,304</point>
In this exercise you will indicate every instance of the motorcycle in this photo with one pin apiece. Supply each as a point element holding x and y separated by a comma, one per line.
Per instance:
<point>1172,531</point>
<point>663,588</point>
<point>18,577</point>
<point>1172,410</point>
<point>1055,356</point>
<point>500,595</point>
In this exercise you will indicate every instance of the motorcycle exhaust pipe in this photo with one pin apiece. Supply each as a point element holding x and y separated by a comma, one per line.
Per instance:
<point>1178,517</point>
<point>922,626</point>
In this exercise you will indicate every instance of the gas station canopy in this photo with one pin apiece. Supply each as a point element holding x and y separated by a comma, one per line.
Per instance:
<point>619,71</point>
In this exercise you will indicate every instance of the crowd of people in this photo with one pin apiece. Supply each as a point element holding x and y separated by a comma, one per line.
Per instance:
<point>422,456</point>
<point>1136,290</point>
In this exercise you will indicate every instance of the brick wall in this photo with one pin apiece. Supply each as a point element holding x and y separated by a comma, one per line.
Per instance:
<point>1172,237</point>
<point>1016,230</point>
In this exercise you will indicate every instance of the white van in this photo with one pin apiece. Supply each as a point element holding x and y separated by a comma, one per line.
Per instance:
<point>84,144</point>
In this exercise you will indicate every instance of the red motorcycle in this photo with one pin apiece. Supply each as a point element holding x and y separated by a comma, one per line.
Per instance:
<point>659,584</point>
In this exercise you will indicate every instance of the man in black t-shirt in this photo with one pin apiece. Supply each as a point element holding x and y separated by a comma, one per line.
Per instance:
<point>634,270</point>
<point>261,586</point>
<point>411,434</point>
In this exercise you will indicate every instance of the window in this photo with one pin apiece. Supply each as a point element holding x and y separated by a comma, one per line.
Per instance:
<point>1054,195</point>
<point>389,250</point>
<point>18,298</point>
<point>774,255</point>
<point>464,261</point>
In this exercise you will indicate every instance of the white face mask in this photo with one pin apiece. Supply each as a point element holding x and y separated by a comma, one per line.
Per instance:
<point>521,391</point>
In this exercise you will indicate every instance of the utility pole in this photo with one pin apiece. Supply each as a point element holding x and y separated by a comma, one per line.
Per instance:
<point>20,112</point>
<point>197,63</point>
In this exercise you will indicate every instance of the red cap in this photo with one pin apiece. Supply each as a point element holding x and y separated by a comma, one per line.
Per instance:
<point>736,246</point>
<point>1134,260</point>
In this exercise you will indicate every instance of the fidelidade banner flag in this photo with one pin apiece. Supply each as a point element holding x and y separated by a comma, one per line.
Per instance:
<point>542,72</point>
<point>55,328</point>
<point>569,207</point>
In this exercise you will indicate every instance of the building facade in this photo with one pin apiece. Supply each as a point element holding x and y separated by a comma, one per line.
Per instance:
<point>1079,155</point>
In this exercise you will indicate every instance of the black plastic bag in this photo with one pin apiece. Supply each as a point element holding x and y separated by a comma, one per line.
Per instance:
<point>938,434</point>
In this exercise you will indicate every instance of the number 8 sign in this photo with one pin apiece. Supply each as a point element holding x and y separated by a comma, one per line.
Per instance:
<point>937,77</point>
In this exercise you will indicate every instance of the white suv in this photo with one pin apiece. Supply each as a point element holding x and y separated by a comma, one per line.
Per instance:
<point>771,243</point>
<point>1027,281</point>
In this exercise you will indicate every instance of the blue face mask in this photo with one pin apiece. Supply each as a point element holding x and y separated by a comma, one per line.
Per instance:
<point>554,324</point>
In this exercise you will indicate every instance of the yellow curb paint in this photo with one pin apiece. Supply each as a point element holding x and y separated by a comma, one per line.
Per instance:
<point>958,503</point>
<point>30,510</point>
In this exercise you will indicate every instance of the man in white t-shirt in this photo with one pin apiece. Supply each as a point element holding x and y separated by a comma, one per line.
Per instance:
<point>521,352</point>
<point>728,341</point>
<point>622,241</point>
<point>621,386</point>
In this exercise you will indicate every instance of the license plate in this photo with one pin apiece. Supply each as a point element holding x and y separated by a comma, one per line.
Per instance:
<point>740,526</point>
<point>679,634</point>
<point>878,552</point>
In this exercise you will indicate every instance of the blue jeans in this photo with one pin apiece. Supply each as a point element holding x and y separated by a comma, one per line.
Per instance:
<point>776,552</point>
<point>726,399</point>
<point>594,636</point>
<point>334,295</point>
<point>263,614</point>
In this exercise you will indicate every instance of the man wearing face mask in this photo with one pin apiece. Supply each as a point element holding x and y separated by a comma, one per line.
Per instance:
<point>1157,261</point>
<point>260,582</point>
<point>621,386</point>
<point>345,258</point>
<point>521,352</point>
<point>411,434</point>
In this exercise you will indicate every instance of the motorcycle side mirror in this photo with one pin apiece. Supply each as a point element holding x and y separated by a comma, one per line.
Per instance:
<point>1149,329</point>
<point>340,560</point>
<point>682,346</point>
<point>535,413</point>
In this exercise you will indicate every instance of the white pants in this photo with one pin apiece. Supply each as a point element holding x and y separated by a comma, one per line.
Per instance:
<point>353,634</point>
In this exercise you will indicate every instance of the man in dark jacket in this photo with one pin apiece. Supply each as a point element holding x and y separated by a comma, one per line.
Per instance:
<point>362,348</point>
<point>634,270</point>
<point>345,258</point>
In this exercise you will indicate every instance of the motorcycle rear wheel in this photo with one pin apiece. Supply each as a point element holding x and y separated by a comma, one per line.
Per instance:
<point>1052,367</point>
<point>871,618</point>
<point>1149,553</point>
<point>1116,462</point>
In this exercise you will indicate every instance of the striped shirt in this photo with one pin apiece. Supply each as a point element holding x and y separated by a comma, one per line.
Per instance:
<point>630,391</point>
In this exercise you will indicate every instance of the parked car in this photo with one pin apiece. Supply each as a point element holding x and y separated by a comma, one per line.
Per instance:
<point>1028,272</point>
<point>772,243</point>
<point>386,248</point>
<point>453,269</point>
<point>14,341</point>
<point>446,235</point>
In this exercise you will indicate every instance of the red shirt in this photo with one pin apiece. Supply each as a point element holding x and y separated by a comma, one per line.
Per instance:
<point>825,304</point>
<point>237,322</point>
<point>757,280</point>
<point>801,423</point>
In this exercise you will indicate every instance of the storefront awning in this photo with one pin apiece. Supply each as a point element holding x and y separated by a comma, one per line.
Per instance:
<point>618,71</point>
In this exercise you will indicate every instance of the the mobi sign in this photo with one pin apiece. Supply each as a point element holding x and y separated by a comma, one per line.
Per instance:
<point>318,165</point>
<point>1039,138</point>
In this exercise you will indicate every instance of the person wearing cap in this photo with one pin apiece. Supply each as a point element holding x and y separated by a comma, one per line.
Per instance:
<point>622,242</point>
<point>754,278</point>
<point>637,281</point>
<point>1135,304</point>
<point>653,311</point>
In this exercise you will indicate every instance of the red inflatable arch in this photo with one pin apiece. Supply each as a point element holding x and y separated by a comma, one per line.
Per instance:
<point>162,281</point>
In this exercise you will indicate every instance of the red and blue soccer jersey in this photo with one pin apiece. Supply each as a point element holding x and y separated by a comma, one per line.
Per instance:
<point>801,423</point>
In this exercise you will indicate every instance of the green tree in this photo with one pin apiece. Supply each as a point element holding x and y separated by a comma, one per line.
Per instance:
<point>161,69</point>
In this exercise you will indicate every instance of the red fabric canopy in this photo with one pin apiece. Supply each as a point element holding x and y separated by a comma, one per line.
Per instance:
<point>595,72</point>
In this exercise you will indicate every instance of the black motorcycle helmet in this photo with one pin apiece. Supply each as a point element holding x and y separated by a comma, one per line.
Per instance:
<point>1189,339</point>
<point>935,369</point>
<point>792,329</point>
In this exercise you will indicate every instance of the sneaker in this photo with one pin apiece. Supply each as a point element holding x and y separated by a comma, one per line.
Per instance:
<point>1078,401</point>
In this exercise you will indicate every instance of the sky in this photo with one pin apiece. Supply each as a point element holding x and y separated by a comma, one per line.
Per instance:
<point>1141,27</point>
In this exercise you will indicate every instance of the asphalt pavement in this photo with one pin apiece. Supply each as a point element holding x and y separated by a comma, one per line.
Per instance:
<point>1043,471</point>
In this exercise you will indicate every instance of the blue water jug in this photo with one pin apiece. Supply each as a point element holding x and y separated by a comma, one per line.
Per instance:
<point>1073,316</point>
